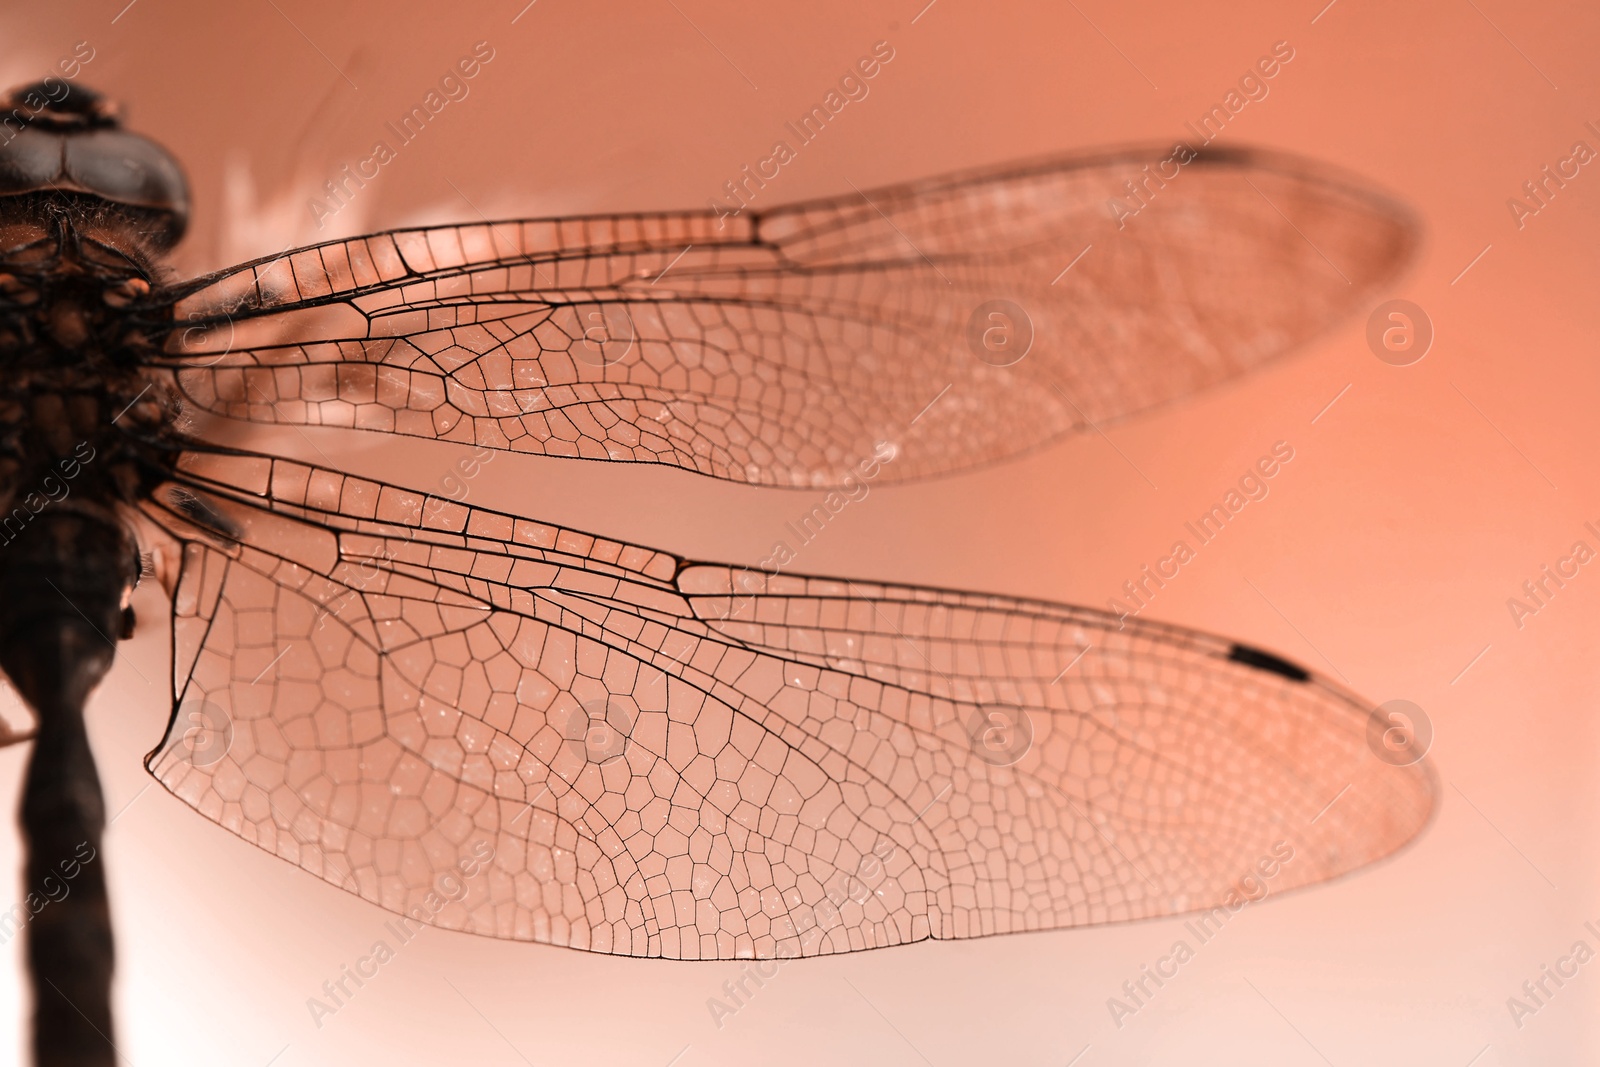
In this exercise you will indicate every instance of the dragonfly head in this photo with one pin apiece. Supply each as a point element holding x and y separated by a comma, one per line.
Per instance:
<point>57,138</point>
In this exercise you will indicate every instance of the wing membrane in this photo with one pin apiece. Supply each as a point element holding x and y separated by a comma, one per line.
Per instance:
<point>494,725</point>
<point>783,347</point>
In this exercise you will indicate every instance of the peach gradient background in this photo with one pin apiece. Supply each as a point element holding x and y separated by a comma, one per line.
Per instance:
<point>1390,543</point>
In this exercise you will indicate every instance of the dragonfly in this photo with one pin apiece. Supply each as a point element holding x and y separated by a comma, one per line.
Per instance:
<point>487,723</point>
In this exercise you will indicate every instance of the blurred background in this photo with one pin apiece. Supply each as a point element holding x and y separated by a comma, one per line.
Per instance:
<point>1417,505</point>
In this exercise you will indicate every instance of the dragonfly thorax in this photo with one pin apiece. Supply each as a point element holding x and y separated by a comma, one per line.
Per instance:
<point>76,291</point>
<point>76,318</point>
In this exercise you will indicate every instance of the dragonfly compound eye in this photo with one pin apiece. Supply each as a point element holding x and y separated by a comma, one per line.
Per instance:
<point>65,138</point>
<point>58,104</point>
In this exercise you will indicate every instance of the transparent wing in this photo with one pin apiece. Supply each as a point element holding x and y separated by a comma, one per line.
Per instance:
<point>493,725</point>
<point>963,319</point>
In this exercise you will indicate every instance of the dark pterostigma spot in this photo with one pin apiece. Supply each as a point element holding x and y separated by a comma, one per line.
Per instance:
<point>1266,661</point>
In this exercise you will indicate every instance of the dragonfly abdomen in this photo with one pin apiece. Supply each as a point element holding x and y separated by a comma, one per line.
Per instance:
<point>64,583</point>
